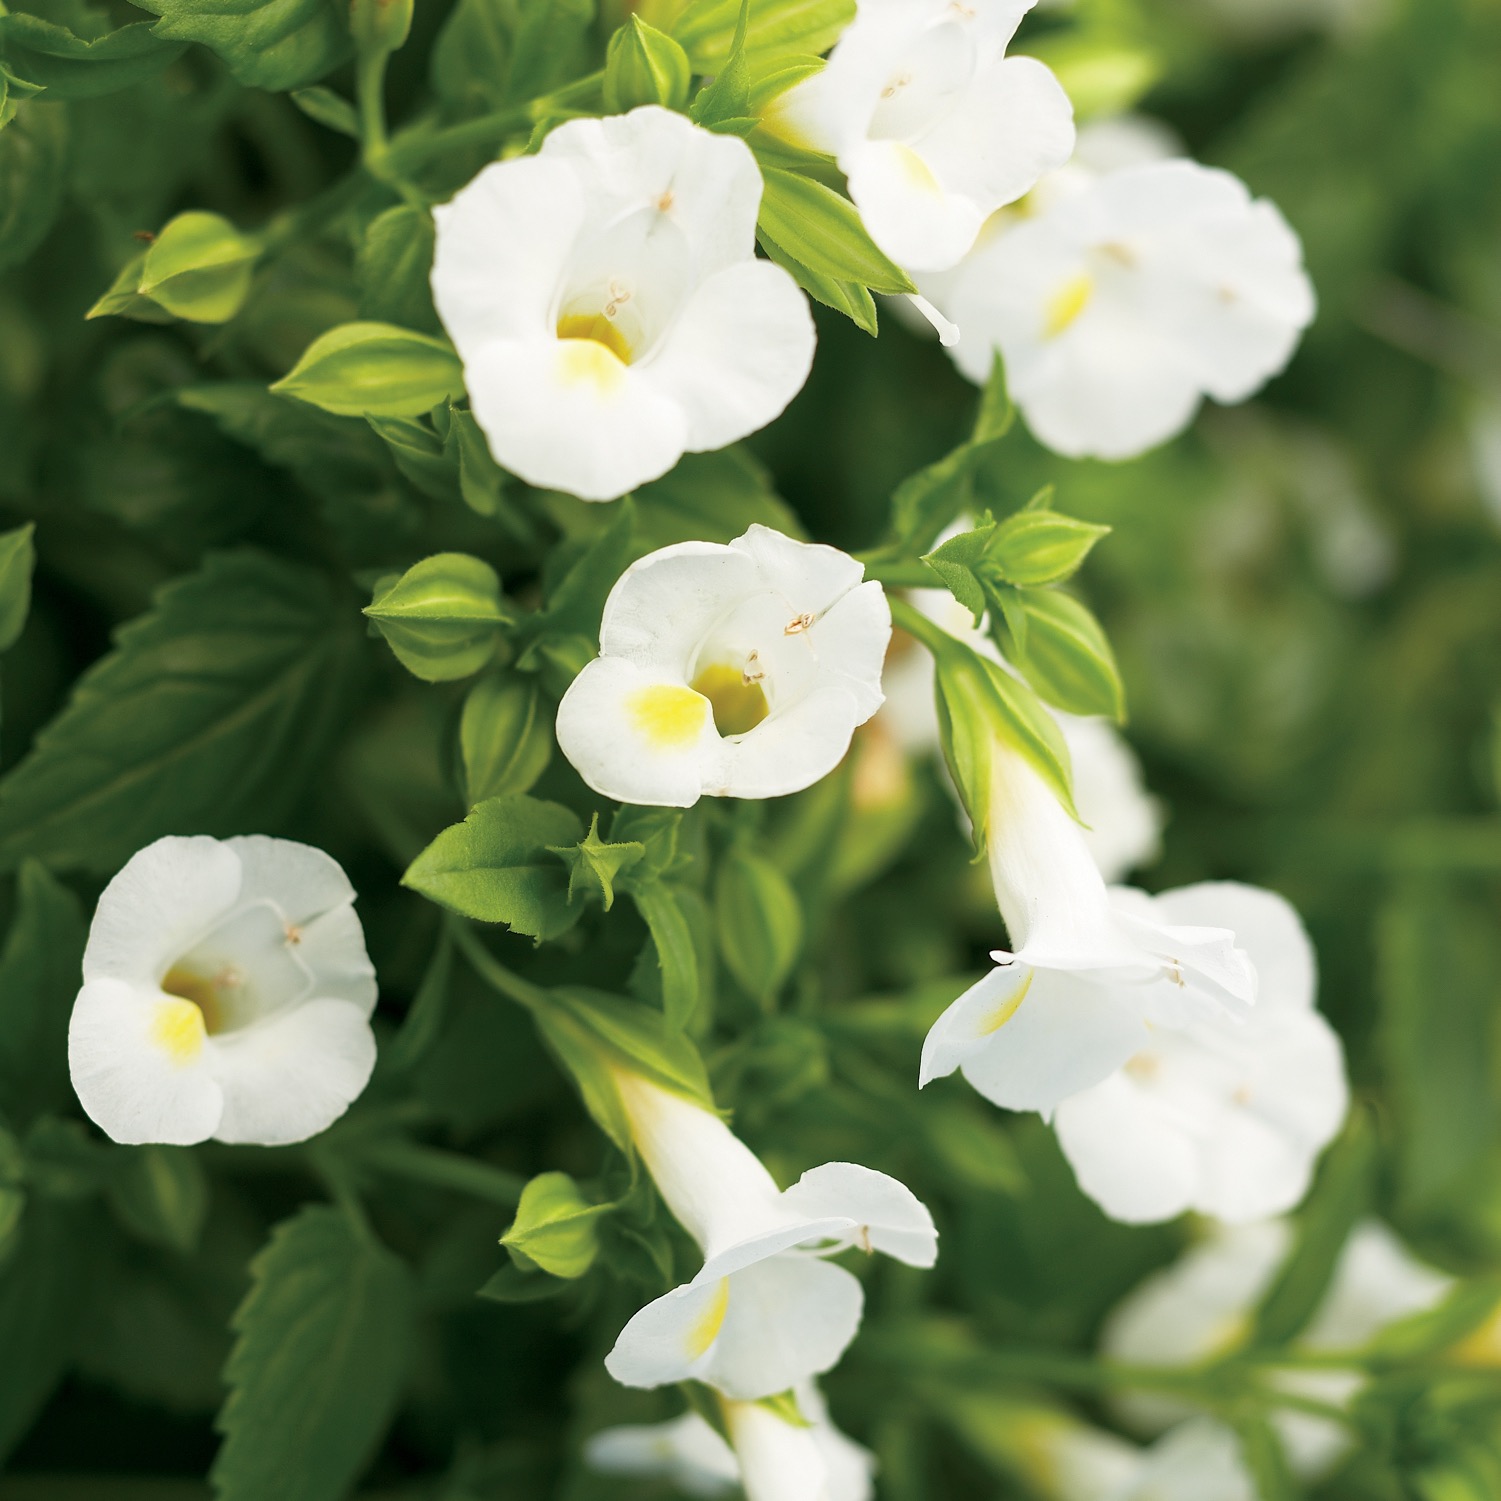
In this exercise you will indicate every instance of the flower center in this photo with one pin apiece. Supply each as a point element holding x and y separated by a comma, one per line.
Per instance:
<point>598,328</point>
<point>667,715</point>
<point>204,991</point>
<point>1065,305</point>
<point>735,694</point>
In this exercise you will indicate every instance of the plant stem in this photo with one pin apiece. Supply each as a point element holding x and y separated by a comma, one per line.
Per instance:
<point>440,1169</point>
<point>915,623</point>
<point>901,574</point>
<point>492,971</point>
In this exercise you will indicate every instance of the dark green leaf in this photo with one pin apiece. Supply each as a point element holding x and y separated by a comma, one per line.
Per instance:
<point>505,736</point>
<point>33,172</point>
<point>266,44</point>
<point>17,559</point>
<point>672,938</point>
<point>160,1195</point>
<point>393,266</point>
<point>759,922</point>
<point>69,66</point>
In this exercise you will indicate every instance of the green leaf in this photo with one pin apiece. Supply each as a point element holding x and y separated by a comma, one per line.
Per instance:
<point>495,866</point>
<point>323,1342</point>
<point>593,865</point>
<point>17,561</point>
<point>1262,1450</point>
<point>711,497</point>
<point>394,263</point>
<point>759,921</point>
<point>328,109</point>
<point>556,1229</point>
<point>822,230</point>
<point>724,103</point>
<point>576,602</point>
<point>265,44</point>
<point>1068,659</point>
<point>776,27</point>
<point>33,173</point>
<point>361,369</point>
<point>1037,547</point>
<point>847,297</point>
<point>14,92</point>
<point>210,714</point>
<point>199,268</point>
<point>645,66</point>
<point>160,1195</point>
<point>481,482</point>
<point>69,66</point>
<point>672,938</point>
<point>548,47</point>
<point>442,617</point>
<point>39,977</point>
<point>505,736</point>
<point>471,57</point>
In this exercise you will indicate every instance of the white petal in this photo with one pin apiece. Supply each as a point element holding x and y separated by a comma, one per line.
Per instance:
<point>1201,1461</point>
<point>566,414</point>
<point>1376,1282</point>
<point>670,1339</point>
<point>740,350</point>
<point>851,639</point>
<point>810,576</point>
<point>1122,821</point>
<point>778,1460</point>
<point>709,181</point>
<point>1067,1034</point>
<point>290,1077</point>
<point>140,1064</point>
<point>501,247</point>
<point>907,211</point>
<point>966,1028</point>
<point>686,1451</point>
<point>165,898</point>
<point>633,736</point>
<point>788,1318</point>
<point>894,1220</point>
<point>791,750</point>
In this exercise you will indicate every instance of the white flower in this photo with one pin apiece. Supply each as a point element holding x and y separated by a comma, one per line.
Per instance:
<point>1095,972</point>
<point>934,126</point>
<point>1122,822</point>
<point>1126,299</point>
<point>605,299</point>
<point>737,670</point>
<point>1200,1308</point>
<point>1201,1461</point>
<point>226,994</point>
<point>1224,1115</point>
<point>767,1311</point>
<point>779,1461</point>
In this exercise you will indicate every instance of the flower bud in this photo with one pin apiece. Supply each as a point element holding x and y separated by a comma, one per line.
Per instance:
<point>556,1228</point>
<point>443,617</point>
<point>645,66</point>
<point>379,25</point>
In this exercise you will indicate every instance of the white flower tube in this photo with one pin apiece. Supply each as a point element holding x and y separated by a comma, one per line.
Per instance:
<point>687,1452</point>
<point>1199,1309</point>
<point>933,125</point>
<point>1093,971</point>
<point>227,994</point>
<point>1128,297</point>
<point>767,1311</point>
<point>1224,1115</point>
<point>737,670</point>
<point>606,301</point>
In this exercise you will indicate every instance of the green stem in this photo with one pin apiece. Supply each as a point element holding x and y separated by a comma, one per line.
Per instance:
<point>900,573</point>
<point>492,971</point>
<point>915,623</point>
<point>375,145</point>
<point>439,1169</point>
<point>339,1181</point>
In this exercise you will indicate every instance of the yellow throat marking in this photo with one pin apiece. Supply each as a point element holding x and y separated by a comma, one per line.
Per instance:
<point>592,348</point>
<point>706,1327</point>
<point>917,172</point>
<point>739,703</point>
<point>177,1029</point>
<point>667,715</point>
<point>1006,1010</point>
<point>1065,305</point>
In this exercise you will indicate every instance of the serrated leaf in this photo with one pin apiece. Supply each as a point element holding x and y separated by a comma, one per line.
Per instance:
<point>374,369</point>
<point>323,1340</point>
<point>17,561</point>
<point>210,714</point>
<point>14,92</point>
<point>822,230</point>
<point>594,865</point>
<point>39,979</point>
<point>69,66</point>
<point>265,44</point>
<point>1068,658</point>
<point>495,866</point>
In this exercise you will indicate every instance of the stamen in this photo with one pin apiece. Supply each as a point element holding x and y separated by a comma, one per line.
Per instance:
<point>665,202</point>
<point>293,933</point>
<point>1122,255</point>
<point>619,295</point>
<point>863,1235</point>
<point>948,333</point>
<point>799,624</point>
<point>896,85</point>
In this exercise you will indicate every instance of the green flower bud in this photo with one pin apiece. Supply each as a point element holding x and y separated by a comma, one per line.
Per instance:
<point>556,1228</point>
<point>645,66</point>
<point>443,617</point>
<point>379,25</point>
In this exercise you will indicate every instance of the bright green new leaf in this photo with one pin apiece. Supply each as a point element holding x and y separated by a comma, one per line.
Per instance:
<point>360,369</point>
<point>443,617</point>
<point>556,1229</point>
<point>594,865</point>
<point>210,714</point>
<point>505,736</point>
<point>1037,547</point>
<point>759,922</point>
<point>199,268</point>
<point>777,28</point>
<point>70,66</point>
<point>1068,658</point>
<point>17,560</point>
<point>323,1341</point>
<point>645,66</point>
<point>822,230</point>
<point>33,157</point>
<point>848,297</point>
<point>265,44</point>
<point>496,866</point>
<point>160,1195</point>
<point>330,110</point>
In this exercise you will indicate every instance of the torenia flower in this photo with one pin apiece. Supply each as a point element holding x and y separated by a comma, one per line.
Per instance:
<point>1093,973</point>
<point>767,1311</point>
<point>1223,1115</point>
<point>226,994</point>
<point>1200,1309</point>
<point>1126,298</point>
<point>778,1460</point>
<point>608,307</point>
<point>737,670</point>
<point>1121,822</point>
<point>934,126</point>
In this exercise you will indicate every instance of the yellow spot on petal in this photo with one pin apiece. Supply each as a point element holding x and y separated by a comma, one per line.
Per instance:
<point>1006,1010</point>
<point>917,172</point>
<point>177,1029</point>
<point>1065,305</point>
<point>592,349</point>
<point>706,1327</point>
<point>1144,1067</point>
<point>201,990</point>
<point>739,702</point>
<point>667,715</point>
